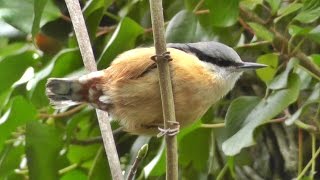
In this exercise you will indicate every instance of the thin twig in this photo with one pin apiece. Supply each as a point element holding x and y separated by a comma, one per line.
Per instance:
<point>309,164</point>
<point>304,59</point>
<point>140,156</point>
<point>204,11</point>
<point>94,140</point>
<point>198,6</point>
<point>90,64</point>
<point>217,125</point>
<point>63,114</point>
<point>165,87</point>
<point>68,168</point>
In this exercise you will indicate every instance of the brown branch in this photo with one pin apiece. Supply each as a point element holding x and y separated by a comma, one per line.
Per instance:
<point>94,140</point>
<point>305,61</point>
<point>165,87</point>
<point>63,114</point>
<point>90,64</point>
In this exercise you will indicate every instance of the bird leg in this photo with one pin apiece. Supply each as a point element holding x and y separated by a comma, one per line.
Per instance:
<point>164,56</point>
<point>169,131</point>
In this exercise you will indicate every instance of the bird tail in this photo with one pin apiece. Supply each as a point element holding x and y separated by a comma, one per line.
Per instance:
<point>64,92</point>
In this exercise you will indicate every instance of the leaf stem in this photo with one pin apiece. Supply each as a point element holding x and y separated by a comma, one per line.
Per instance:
<point>316,154</point>
<point>68,168</point>
<point>63,114</point>
<point>217,125</point>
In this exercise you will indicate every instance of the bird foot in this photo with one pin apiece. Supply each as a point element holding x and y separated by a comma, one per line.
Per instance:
<point>169,131</point>
<point>164,56</point>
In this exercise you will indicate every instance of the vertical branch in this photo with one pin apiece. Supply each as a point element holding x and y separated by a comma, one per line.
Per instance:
<point>165,87</point>
<point>90,64</point>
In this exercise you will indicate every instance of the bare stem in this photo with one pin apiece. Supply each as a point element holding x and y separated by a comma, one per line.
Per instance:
<point>63,114</point>
<point>165,87</point>
<point>316,154</point>
<point>90,64</point>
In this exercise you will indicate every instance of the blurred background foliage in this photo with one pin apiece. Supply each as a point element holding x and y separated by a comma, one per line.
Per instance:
<point>266,128</point>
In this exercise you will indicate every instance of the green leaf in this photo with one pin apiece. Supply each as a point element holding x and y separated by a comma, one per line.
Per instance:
<point>316,58</point>
<point>75,174</point>
<point>122,39</point>
<point>190,153</point>
<point>274,4</point>
<point>19,14</point>
<point>286,10</point>
<point>157,166</point>
<point>100,169</point>
<point>13,67</point>
<point>10,159</point>
<point>185,23</point>
<point>267,74</point>
<point>266,109</point>
<point>46,10</point>
<point>295,30</point>
<point>239,108</point>
<point>222,13</point>
<point>19,113</point>
<point>93,12</point>
<point>261,32</point>
<point>313,98</point>
<point>12,49</point>
<point>314,34</point>
<point>310,11</point>
<point>43,144</point>
<point>281,80</point>
<point>64,63</point>
<point>308,16</point>
<point>250,4</point>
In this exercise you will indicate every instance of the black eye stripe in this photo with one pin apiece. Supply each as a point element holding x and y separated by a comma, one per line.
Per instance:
<point>204,57</point>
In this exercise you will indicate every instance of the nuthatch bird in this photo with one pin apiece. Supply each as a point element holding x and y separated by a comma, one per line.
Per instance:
<point>202,73</point>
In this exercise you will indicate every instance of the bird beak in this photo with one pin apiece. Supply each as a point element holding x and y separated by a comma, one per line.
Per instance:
<point>251,66</point>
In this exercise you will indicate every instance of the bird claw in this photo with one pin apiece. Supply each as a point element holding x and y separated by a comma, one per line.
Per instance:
<point>164,56</point>
<point>169,131</point>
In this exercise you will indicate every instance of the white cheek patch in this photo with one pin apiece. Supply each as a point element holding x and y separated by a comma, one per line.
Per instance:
<point>105,99</point>
<point>93,75</point>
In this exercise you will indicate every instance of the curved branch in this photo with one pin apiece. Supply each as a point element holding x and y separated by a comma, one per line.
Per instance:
<point>90,64</point>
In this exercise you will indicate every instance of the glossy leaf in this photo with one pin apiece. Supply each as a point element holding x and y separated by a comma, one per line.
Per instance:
<point>10,159</point>
<point>238,109</point>
<point>250,4</point>
<point>13,67</point>
<point>44,11</point>
<point>295,30</point>
<point>190,154</point>
<point>185,23</point>
<point>267,74</point>
<point>64,63</point>
<point>314,34</point>
<point>122,39</point>
<point>313,98</point>
<point>286,10</point>
<point>217,15</point>
<point>218,8</point>
<point>264,110</point>
<point>275,5</point>
<point>75,174</point>
<point>281,80</point>
<point>93,12</point>
<point>43,144</point>
<point>20,112</point>
<point>261,32</point>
